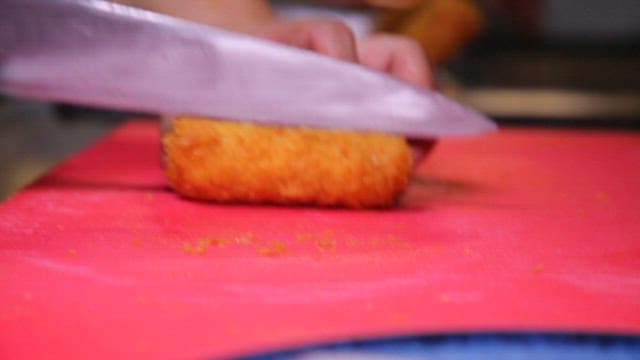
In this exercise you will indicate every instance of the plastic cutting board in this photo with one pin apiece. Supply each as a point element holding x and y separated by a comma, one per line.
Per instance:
<point>526,229</point>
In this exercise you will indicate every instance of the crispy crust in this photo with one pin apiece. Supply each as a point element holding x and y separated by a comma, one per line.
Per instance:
<point>242,162</point>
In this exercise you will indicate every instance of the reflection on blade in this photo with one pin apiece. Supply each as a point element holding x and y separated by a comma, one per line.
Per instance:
<point>98,53</point>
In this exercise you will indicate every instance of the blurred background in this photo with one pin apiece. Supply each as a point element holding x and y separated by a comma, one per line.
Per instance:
<point>523,62</point>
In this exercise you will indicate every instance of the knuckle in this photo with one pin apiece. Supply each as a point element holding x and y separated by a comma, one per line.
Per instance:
<point>408,43</point>
<point>401,41</point>
<point>334,27</point>
<point>414,46</point>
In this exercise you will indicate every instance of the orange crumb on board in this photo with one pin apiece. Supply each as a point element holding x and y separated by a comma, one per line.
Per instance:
<point>444,298</point>
<point>385,241</point>
<point>538,269</point>
<point>148,196</point>
<point>467,250</point>
<point>314,235</point>
<point>187,248</point>
<point>135,243</point>
<point>214,241</point>
<point>72,252</point>
<point>352,241</point>
<point>399,318</point>
<point>201,245</point>
<point>302,237</point>
<point>195,248</point>
<point>377,241</point>
<point>328,234</point>
<point>602,197</point>
<point>244,239</point>
<point>273,249</point>
<point>328,240</point>
<point>326,244</point>
<point>392,240</point>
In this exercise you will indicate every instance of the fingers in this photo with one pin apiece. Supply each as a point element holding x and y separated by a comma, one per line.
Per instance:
<point>327,37</point>
<point>397,55</point>
<point>330,38</point>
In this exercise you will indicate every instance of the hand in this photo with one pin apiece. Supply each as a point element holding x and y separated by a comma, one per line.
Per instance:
<point>327,37</point>
<point>397,55</point>
<point>394,54</point>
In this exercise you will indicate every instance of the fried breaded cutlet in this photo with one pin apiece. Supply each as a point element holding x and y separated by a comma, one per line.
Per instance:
<point>229,161</point>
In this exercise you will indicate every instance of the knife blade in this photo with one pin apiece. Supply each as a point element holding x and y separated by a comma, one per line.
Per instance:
<point>94,52</point>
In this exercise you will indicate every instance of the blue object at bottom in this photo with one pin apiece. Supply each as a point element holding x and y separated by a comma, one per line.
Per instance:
<point>494,346</point>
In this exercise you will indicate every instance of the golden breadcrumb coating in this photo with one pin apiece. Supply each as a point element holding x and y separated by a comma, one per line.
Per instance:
<point>243,162</point>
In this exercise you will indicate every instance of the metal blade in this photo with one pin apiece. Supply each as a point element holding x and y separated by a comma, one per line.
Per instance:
<point>99,53</point>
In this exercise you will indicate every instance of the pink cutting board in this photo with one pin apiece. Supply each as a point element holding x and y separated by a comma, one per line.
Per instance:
<point>526,229</point>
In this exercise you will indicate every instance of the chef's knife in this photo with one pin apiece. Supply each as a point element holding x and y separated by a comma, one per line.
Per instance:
<point>98,53</point>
